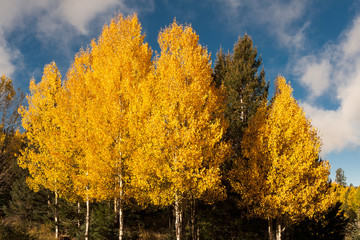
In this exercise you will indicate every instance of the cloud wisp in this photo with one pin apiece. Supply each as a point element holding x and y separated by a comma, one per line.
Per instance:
<point>56,20</point>
<point>282,19</point>
<point>335,73</point>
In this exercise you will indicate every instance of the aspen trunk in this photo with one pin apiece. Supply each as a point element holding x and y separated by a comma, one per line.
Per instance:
<point>56,217</point>
<point>78,212</point>
<point>115,204</point>
<point>121,193</point>
<point>178,219</point>
<point>271,229</point>
<point>121,214</point>
<point>87,219</point>
<point>279,229</point>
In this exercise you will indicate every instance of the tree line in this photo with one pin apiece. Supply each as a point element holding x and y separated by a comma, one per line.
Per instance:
<point>129,134</point>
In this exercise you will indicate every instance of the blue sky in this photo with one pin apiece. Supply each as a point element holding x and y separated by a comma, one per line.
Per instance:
<point>313,44</point>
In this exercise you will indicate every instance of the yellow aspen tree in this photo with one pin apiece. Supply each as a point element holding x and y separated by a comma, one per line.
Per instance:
<point>282,178</point>
<point>46,156</point>
<point>77,102</point>
<point>181,151</point>
<point>102,83</point>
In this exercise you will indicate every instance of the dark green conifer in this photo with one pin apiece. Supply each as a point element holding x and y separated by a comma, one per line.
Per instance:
<point>244,84</point>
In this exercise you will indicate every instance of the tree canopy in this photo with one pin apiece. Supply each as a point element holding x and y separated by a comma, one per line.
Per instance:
<point>282,178</point>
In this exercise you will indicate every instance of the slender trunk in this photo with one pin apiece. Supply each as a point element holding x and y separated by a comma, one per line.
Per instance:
<point>49,201</point>
<point>121,191</point>
<point>242,111</point>
<point>87,220</point>
<point>56,216</point>
<point>193,220</point>
<point>271,229</point>
<point>121,214</point>
<point>279,229</point>
<point>115,204</point>
<point>78,212</point>
<point>178,218</point>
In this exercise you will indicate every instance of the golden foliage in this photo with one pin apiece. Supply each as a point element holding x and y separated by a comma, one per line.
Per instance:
<point>83,125</point>
<point>180,150</point>
<point>281,175</point>
<point>47,154</point>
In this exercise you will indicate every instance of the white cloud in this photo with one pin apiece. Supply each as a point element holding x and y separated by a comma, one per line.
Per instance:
<point>6,66</point>
<point>315,74</point>
<point>11,14</point>
<point>58,20</point>
<point>335,70</point>
<point>79,13</point>
<point>281,18</point>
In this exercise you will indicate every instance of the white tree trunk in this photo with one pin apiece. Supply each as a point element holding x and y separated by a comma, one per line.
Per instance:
<point>279,229</point>
<point>115,204</point>
<point>78,212</point>
<point>178,218</point>
<point>56,216</point>
<point>87,219</point>
<point>121,214</point>
<point>271,229</point>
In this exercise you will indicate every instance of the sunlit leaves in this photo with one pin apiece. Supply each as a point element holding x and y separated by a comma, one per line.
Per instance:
<point>181,149</point>
<point>281,175</point>
<point>47,154</point>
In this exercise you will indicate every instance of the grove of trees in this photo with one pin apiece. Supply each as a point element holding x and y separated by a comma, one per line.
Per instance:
<point>134,146</point>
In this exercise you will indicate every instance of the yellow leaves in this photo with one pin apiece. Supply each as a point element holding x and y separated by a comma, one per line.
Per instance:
<point>186,147</point>
<point>6,89</point>
<point>156,127</point>
<point>44,157</point>
<point>282,171</point>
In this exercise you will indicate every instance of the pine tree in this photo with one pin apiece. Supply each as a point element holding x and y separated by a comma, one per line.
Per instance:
<point>340,177</point>
<point>26,210</point>
<point>10,138</point>
<point>245,87</point>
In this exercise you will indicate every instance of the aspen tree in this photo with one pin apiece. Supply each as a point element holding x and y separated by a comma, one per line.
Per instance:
<point>78,134</point>
<point>282,179</point>
<point>105,79</point>
<point>181,152</point>
<point>47,155</point>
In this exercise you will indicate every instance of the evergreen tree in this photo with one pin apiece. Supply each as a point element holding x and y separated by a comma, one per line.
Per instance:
<point>245,86</point>
<point>10,138</point>
<point>340,177</point>
<point>27,213</point>
<point>332,225</point>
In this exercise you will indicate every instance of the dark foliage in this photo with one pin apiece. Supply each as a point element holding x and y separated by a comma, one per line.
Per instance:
<point>331,226</point>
